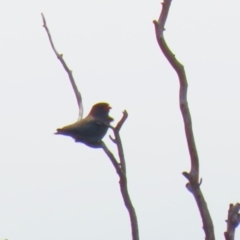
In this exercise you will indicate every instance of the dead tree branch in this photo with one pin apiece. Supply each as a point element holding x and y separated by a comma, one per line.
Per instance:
<point>69,72</point>
<point>118,142</point>
<point>233,221</point>
<point>120,167</point>
<point>193,176</point>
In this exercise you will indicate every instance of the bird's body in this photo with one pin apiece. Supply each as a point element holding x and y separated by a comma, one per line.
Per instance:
<point>92,128</point>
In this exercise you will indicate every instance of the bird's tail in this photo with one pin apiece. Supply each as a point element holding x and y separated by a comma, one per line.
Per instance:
<point>60,131</point>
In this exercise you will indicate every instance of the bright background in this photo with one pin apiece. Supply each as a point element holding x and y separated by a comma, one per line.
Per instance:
<point>54,189</point>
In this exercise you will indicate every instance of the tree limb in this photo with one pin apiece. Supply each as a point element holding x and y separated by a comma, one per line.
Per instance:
<point>69,72</point>
<point>120,168</point>
<point>233,221</point>
<point>118,142</point>
<point>193,176</point>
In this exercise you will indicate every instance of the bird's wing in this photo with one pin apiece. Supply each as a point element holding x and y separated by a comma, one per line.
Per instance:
<point>83,127</point>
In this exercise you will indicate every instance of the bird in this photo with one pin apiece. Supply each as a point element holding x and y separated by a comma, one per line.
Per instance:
<point>91,129</point>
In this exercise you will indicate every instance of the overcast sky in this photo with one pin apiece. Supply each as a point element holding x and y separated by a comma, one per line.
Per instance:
<point>54,189</point>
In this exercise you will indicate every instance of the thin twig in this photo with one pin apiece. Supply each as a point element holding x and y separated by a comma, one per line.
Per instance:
<point>69,72</point>
<point>119,142</point>
<point>121,122</point>
<point>193,176</point>
<point>233,221</point>
<point>120,168</point>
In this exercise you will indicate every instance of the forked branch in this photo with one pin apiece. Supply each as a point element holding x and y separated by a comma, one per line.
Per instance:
<point>193,176</point>
<point>120,167</point>
<point>69,72</point>
<point>233,221</point>
<point>118,142</point>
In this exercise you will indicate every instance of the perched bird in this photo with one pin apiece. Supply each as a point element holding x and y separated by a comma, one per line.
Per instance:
<point>92,128</point>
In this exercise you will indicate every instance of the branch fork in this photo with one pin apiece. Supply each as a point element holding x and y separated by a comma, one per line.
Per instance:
<point>120,166</point>
<point>233,221</point>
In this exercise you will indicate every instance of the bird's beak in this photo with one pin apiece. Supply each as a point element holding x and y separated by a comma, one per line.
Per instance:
<point>108,107</point>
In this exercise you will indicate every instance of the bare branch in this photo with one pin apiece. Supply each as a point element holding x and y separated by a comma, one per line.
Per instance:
<point>233,221</point>
<point>118,141</point>
<point>69,72</point>
<point>203,209</point>
<point>193,176</point>
<point>113,160</point>
<point>179,68</point>
<point>121,171</point>
<point>121,122</point>
<point>119,167</point>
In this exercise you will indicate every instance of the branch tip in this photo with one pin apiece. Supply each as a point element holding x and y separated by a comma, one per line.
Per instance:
<point>186,175</point>
<point>233,220</point>
<point>121,122</point>
<point>66,68</point>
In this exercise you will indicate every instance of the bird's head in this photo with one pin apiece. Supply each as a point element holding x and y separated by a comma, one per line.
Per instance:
<point>101,110</point>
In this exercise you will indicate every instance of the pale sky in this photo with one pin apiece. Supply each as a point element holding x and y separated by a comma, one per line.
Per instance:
<point>54,189</point>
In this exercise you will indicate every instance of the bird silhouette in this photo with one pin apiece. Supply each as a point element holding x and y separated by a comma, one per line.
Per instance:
<point>91,129</point>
